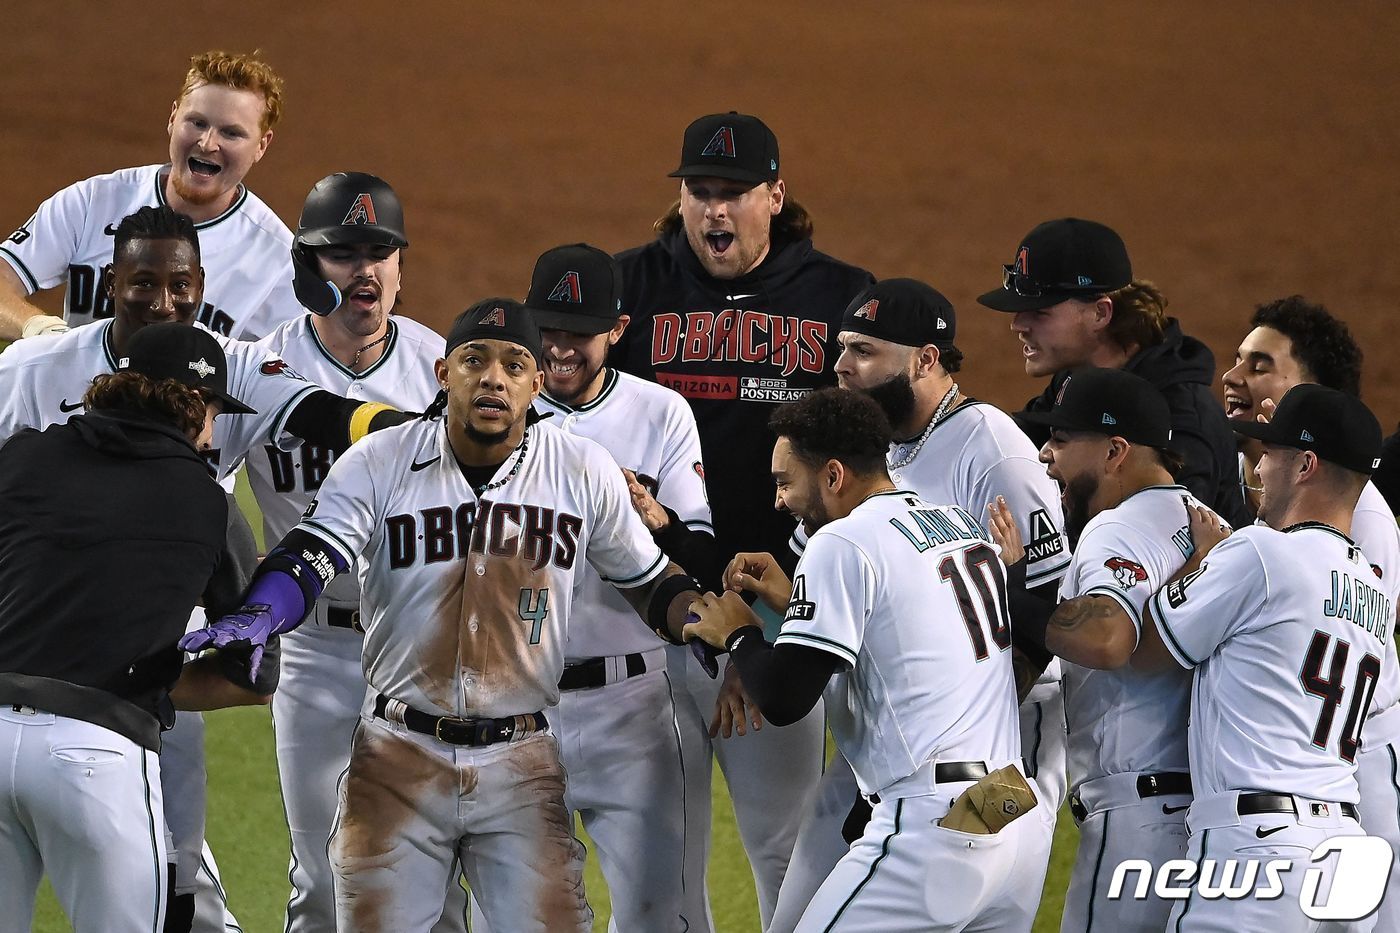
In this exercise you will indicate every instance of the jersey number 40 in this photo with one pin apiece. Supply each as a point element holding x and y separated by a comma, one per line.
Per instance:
<point>1330,690</point>
<point>982,567</point>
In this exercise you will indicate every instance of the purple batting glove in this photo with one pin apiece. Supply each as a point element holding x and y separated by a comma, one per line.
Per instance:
<point>705,653</point>
<point>250,625</point>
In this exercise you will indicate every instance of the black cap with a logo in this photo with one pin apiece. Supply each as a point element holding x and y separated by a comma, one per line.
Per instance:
<point>1058,260</point>
<point>188,355</point>
<point>903,311</point>
<point>1338,427</point>
<point>576,288</point>
<point>497,319</point>
<point>729,145</point>
<point>1111,402</point>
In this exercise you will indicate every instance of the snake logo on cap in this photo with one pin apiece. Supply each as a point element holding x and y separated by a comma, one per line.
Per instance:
<point>495,317</point>
<point>720,144</point>
<point>868,310</point>
<point>361,212</point>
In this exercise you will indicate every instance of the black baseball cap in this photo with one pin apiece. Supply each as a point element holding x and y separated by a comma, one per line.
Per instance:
<point>1111,402</point>
<point>1338,427</point>
<point>903,311</point>
<point>189,355</point>
<point>577,288</point>
<point>497,319</point>
<point>729,145</point>
<point>1060,259</point>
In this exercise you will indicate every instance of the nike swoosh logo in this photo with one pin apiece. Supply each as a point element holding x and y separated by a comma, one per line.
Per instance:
<point>1167,809</point>
<point>64,406</point>
<point>110,229</point>
<point>739,297</point>
<point>1261,832</point>
<point>416,466</point>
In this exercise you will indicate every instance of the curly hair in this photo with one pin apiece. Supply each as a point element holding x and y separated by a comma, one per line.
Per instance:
<point>792,223</point>
<point>155,223</point>
<point>1321,342</point>
<point>240,72</point>
<point>165,400</point>
<point>836,424</point>
<point>1139,315</point>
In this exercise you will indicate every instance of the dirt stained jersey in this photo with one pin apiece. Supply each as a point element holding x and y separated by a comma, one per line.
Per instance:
<point>466,599</point>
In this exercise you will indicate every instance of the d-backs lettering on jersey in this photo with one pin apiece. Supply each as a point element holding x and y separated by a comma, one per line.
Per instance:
<point>784,342</point>
<point>1127,720</point>
<point>1285,632</point>
<point>650,430</point>
<point>42,382</point>
<point>911,598</point>
<point>468,600</point>
<point>244,252</point>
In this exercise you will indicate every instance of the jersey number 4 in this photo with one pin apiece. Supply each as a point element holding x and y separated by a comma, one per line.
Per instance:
<point>1330,690</point>
<point>534,608</point>
<point>979,564</point>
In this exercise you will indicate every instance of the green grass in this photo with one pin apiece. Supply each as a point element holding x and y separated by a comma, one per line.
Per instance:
<point>248,835</point>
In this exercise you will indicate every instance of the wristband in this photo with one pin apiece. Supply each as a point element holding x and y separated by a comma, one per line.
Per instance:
<point>360,420</point>
<point>661,598</point>
<point>41,324</point>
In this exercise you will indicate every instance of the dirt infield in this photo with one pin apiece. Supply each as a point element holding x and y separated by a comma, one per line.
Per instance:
<point>1243,154</point>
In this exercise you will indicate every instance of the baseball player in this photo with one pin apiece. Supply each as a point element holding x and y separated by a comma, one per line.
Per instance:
<point>898,611</point>
<point>470,528</point>
<point>1293,341</point>
<point>154,276</point>
<point>734,308</point>
<point>1128,769</point>
<point>113,564</point>
<point>615,722</point>
<point>1074,302</point>
<point>220,124</point>
<point>347,257</point>
<point>897,346</point>
<point>1284,631</point>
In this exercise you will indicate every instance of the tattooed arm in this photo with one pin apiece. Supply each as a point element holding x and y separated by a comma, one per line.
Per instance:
<point>1092,631</point>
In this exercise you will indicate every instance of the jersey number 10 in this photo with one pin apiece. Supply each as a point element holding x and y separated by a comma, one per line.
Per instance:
<point>980,565</point>
<point>1331,691</point>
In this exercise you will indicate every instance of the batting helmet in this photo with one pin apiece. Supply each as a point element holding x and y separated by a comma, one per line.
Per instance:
<point>342,209</point>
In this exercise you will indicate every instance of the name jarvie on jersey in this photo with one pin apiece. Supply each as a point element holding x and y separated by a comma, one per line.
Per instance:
<point>1360,604</point>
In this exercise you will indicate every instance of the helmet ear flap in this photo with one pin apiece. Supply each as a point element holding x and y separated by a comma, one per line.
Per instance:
<point>315,293</point>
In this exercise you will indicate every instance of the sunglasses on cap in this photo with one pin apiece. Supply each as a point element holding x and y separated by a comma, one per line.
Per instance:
<point>1020,283</point>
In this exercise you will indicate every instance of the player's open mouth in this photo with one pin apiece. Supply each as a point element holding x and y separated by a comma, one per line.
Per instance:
<point>364,296</point>
<point>490,405</point>
<point>1236,406</point>
<point>204,169</point>
<point>719,242</point>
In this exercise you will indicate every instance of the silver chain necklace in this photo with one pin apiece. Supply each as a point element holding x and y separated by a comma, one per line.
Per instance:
<point>938,414</point>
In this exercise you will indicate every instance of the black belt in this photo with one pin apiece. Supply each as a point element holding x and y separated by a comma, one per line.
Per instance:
<point>585,675</point>
<point>344,618</point>
<point>465,731</point>
<point>1250,804</point>
<point>1161,784</point>
<point>952,772</point>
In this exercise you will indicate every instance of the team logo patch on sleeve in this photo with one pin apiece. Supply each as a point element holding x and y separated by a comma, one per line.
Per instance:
<point>799,609</point>
<point>279,367</point>
<point>1128,573</point>
<point>720,144</point>
<point>361,212</point>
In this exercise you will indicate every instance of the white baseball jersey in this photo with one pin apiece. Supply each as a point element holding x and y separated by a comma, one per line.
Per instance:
<point>650,430</point>
<point>467,600</point>
<point>245,251</point>
<point>1126,720</point>
<point>286,481</point>
<point>43,380</point>
<point>1285,631</point>
<point>911,598</point>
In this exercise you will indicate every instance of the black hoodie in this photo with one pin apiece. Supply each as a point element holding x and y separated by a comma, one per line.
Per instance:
<point>736,348</point>
<point>1183,370</point>
<point>110,532</point>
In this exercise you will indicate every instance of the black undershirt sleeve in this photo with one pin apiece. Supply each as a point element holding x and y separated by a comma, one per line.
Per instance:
<point>784,680</point>
<point>323,418</point>
<point>1030,610</point>
<point>695,551</point>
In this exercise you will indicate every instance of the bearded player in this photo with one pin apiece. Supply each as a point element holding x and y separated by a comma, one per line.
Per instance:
<point>469,527</point>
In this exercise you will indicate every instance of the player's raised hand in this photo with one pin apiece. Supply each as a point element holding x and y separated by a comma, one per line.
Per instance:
<point>653,515</point>
<point>759,573</point>
<point>734,711</point>
<point>1207,530</point>
<point>1002,524</point>
<point>250,625</point>
<point>715,618</point>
